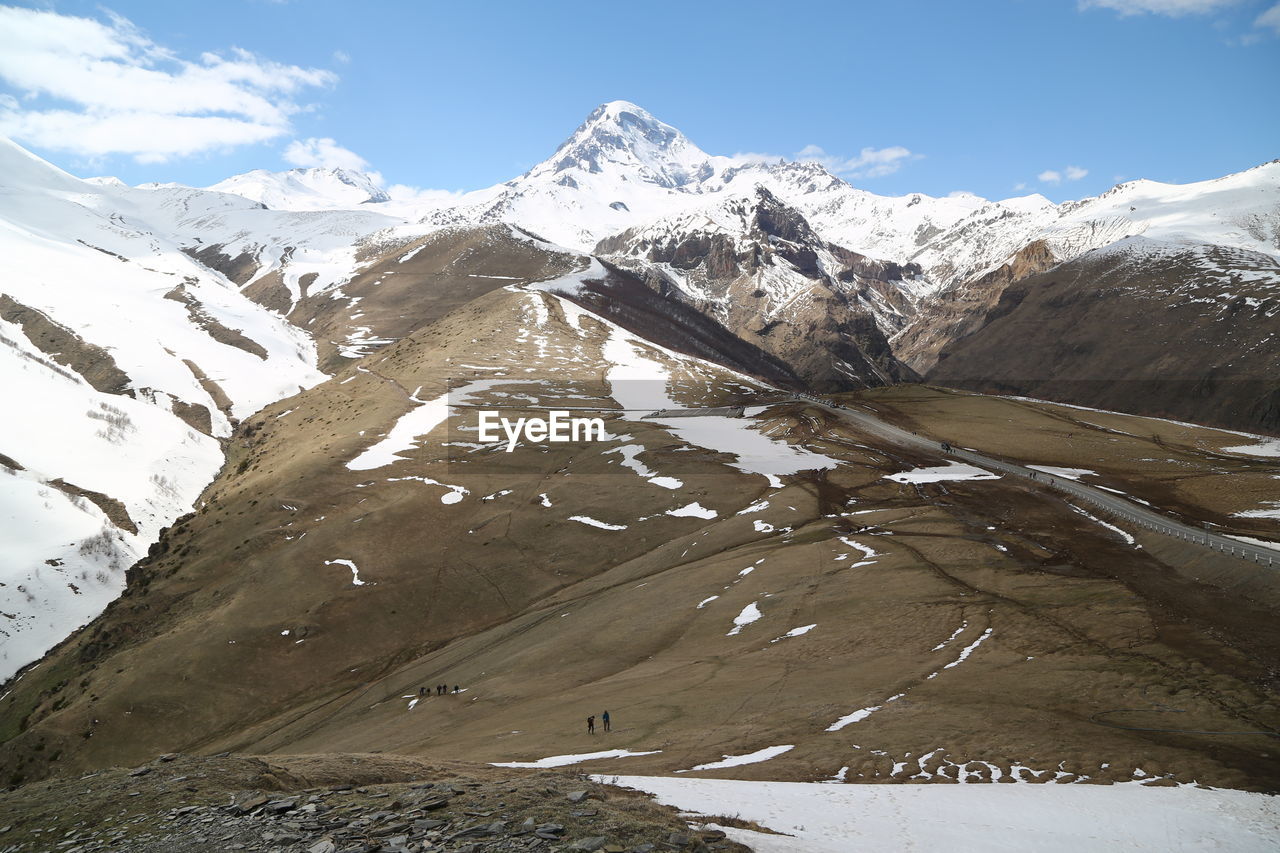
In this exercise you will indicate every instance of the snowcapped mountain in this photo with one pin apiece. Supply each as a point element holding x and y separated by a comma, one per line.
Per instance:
<point>125,365</point>
<point>623,167</point>
<point>306,189</point>
<point>1241,210</point>
<point>757,265</point>
<point>988,250</point>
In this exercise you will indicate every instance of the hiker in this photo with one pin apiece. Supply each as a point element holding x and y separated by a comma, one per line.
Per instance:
<point>591,725</point>
<point>422,691</point>
<point>604,718</point>
<point>455,688</point>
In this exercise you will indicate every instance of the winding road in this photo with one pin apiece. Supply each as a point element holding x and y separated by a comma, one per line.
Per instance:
<point>1112,503</point>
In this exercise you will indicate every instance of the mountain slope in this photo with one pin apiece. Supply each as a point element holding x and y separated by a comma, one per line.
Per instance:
<point>125,365</point>
<point>721,584</point>
<point>305,189</point>
<point>1145,326</point>
<point>758,267</point>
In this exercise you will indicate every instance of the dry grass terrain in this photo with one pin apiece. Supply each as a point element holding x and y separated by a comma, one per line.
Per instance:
<point>982,628</point>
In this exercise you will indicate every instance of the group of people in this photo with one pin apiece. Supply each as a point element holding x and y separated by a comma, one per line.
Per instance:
<point>441,690</point>
<point>591,723</point>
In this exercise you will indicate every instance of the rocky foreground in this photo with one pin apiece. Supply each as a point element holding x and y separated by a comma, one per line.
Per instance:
<point>339,804</point>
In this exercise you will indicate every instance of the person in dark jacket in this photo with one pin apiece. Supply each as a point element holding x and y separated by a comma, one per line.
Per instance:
<point>604,718</point>
<point>591,725</point>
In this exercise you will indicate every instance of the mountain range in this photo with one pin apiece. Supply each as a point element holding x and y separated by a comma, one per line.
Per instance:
<point>233,459</point>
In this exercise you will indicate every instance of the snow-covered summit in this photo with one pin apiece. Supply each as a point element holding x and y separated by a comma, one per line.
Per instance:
<point>623,167</point>
<point>306,189</point>
<point>622,140</point>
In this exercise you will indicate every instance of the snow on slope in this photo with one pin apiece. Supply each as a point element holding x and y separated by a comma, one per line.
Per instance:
<point>311,250</point>
<point>1241,211</point>
<point>820,818</point>
<point>305,189</point>
<point>79,258</point>
<point>622,167</point>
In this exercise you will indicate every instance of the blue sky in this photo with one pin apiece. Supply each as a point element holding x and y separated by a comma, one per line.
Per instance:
<point>996,97</point>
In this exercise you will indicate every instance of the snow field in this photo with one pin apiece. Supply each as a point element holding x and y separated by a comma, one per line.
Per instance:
<point>823,818</point>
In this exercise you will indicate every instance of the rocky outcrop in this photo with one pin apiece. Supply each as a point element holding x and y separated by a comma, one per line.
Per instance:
<point>758,267</point>
<point>93,363</point>
<point>959,310</point>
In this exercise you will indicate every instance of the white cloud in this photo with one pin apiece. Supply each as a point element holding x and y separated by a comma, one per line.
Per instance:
<point>417,195</point>
<point>750,157</point>
<point>1057,176</point>
<point>1269,19</point>
<point>1021,185</point>
<point>323,153</point>
<point>1172,8</point>
<point>102,87</point>
<point>867,163</point>
<point>341,56</point>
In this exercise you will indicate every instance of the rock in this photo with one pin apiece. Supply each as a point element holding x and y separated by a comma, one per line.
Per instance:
<point>247,802</point>
<point>577,796</point>
<point>168,756</point>
<point>324,845</point>
<point>588,845</point>
<point>680,839</point>
<point>432,805</point>
<point>584,813</point>
<point>281,806</point>
<point>140,771</point>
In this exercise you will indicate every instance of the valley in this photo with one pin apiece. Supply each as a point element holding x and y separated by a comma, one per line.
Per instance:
<point>256,515</point>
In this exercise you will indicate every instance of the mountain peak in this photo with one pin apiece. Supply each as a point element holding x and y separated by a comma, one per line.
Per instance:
<point>625,141</point>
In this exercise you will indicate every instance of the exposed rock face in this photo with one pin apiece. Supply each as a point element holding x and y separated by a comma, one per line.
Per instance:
<point>64,346</point>
<point>757,266</point>
<point>204,320</point>
<point>239,269</point>
<point>961,309</point>
<point>1142,326</point>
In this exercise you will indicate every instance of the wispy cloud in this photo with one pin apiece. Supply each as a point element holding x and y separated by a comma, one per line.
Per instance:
<point>867,163</point>
<point>101,87</point>
<point>1269,20</point>
<point>1171,8</point>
